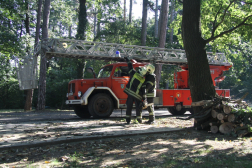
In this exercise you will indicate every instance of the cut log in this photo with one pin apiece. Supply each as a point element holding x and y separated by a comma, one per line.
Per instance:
<point>201,103</point>
<point>214,123</point>
<point>221,116</point>
<point>214,129</point>
<point>227,109</point>
<point>222,121</point>
<point>242,133</point>
<point>214,113</point>
<point>231,118</point>
<point>226,128</point>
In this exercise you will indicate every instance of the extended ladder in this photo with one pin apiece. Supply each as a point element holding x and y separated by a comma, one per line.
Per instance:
<point>107,51</point>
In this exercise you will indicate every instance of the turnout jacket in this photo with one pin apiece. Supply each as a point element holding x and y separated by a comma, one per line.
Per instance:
<point>149,86</point>
<point>134,86</point>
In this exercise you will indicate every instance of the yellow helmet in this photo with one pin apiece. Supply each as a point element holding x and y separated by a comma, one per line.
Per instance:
<point>150,68</point>
<point>142,70</point>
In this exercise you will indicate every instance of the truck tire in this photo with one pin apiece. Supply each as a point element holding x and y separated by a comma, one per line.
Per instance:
<point>101,106</point>
<point>173,111</point>
<point>82,111</point>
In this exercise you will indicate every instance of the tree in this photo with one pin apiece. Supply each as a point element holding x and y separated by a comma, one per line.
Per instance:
<point>29,92</point>
<point>162,37</point>
<point>144,23</point>
<point>43,60</point>
<point>228,17</point>
<point>130,11</point>
<point>156,21</point>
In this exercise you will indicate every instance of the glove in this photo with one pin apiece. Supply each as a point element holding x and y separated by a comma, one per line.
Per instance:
<point>145,103</point>
<point>126,58</point>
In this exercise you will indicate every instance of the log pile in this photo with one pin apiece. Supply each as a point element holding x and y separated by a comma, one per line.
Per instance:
<point>227,116</point>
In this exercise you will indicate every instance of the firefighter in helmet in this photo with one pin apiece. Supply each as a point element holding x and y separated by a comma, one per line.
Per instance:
<point>134,90</point>
<point>150,91</point>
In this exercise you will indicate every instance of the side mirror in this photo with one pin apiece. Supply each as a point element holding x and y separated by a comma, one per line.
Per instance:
<point>91,70</point>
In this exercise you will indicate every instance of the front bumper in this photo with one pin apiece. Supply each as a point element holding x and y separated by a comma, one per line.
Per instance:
<point>69,102</point>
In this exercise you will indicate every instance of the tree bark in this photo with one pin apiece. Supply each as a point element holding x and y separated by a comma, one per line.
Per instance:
<point>156,21</point>
<point>200,81</point>
<point>171,20</point>
<point>42,75</point>
<point>162,37</point>
<point>130,11</point>
<point>144,23</point>
<point>29,92</point>
<point>82,20</point>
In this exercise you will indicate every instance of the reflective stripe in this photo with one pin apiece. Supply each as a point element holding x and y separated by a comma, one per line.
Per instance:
<point>128,116</point>
<point>151,94</point>
<point>151,113</point>
<point>128,91</point>
<point>130,71</point>
<point>150,83</point>
<point>139,117</point>
<point>139,77</point>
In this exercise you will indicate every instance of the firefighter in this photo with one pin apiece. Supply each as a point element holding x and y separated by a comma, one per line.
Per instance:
<point>134,90</point>
<point>150,92</point>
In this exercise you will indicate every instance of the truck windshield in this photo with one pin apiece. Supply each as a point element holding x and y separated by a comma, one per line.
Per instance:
<point>105,72</point>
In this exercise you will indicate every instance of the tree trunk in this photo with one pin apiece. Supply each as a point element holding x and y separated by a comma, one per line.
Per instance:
<point>162,37</point>
<point>29,92</point>
<point>200,81</point>
<point>144,23</point>
<point>130,11</point>
<point>82,20</point>
<point>171,20</point>
<point>124,13</point>
<point>156,21</point>
<point>42,75</point>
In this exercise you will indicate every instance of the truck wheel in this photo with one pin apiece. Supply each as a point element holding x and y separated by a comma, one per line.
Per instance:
<point>101,106</point>
<point>174,111</point>
<point>82,111</point>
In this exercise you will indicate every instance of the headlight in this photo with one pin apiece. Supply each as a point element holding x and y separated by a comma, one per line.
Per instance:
<point>79,93</point>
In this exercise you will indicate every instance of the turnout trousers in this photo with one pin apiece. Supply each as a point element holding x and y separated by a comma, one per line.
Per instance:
<point>129,103</point>
<point>151,109</point>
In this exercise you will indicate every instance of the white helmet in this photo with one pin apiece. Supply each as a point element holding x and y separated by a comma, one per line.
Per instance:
<point>150,68</point>
<point>142,70</point>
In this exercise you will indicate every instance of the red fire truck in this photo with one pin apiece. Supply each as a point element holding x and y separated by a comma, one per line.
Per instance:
<point>98,97</point>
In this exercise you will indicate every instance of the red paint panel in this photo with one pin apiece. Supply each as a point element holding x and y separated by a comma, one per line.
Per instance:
<point>223,92</point>
<point>168,97</point>
<point>187,100</point>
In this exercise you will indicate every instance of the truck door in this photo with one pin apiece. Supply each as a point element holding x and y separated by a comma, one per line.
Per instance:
<point>120,79</point>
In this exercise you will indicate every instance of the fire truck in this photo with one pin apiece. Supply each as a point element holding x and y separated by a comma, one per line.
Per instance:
<point>99,96</point>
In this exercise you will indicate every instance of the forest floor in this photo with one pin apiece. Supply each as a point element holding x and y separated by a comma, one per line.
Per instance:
<point>184,148</point>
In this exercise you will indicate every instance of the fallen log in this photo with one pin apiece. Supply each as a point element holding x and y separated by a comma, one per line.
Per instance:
<point>227,109</point>
<point>226,128</point>
<point>201,103</point>
<point>214,113</point>
<point>214,129</point>
<point>221,116</point>
<point>231,118</point>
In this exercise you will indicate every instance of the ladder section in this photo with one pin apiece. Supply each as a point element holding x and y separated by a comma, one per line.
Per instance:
<point>107,51</point>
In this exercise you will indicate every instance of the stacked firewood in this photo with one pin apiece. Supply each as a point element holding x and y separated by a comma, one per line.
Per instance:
<point>227,116</point>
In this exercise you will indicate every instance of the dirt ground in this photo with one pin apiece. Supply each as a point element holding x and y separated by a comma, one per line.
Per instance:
<point>185,148</point>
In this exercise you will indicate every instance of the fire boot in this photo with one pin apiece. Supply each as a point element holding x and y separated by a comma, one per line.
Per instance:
<point>128,120</point>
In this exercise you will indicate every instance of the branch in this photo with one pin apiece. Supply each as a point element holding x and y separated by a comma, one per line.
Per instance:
<point>223,17</point>
<point>230,30</point>
<point>215,20</point>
